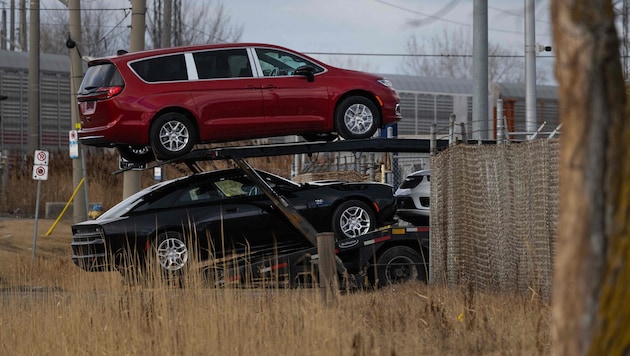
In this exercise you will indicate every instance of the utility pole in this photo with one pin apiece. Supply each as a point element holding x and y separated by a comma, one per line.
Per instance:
<point>530,68</point>
<point>79,212</point>
<point>131,179</point>
<point>22,10</point>
<point>12,27</point>
<point>32,141</point>
<point>166,30</point>
<point>3,35</point>
<point>480,70</point>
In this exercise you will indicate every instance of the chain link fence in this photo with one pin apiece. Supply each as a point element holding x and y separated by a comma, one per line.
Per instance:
<point>494,211</point>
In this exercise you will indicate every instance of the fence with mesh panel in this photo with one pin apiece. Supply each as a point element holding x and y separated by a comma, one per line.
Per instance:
<point>494,212</point>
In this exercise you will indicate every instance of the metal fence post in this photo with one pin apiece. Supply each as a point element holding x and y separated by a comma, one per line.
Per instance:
<point>433,139</point>
<point>500,132</point>
<point>451,129</point>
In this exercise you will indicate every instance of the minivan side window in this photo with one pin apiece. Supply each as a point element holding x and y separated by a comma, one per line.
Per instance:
<point>217,64</point>
<point>161,69</point>
<point>278,63</point>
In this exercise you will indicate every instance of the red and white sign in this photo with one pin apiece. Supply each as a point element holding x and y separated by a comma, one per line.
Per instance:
<point>40,158</point>
<point>40,172</point>
<point>40,165</point>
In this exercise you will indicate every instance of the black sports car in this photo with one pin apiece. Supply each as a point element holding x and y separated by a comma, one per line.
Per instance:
<point>223,213</point>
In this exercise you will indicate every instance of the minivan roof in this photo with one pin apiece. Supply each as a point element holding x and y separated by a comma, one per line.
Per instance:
<point>192,48</point>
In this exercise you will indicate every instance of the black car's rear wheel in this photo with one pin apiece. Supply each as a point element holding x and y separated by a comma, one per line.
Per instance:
<point>357,117</point>
<point>352,219</point>
<point>172,135</point>
<point>136,154</point>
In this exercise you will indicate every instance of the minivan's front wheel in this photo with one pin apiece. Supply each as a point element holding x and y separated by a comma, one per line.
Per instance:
<point>172,135</point>
<point>136,154</point>
<point>357,117</point>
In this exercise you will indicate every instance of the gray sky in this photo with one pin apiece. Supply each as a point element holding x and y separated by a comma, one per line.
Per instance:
<point>377,26</point>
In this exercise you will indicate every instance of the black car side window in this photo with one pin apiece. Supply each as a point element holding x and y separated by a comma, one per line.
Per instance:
<point>205,192</point>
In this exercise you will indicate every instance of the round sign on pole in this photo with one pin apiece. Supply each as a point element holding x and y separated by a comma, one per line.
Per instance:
<point>40,172</point>
<point>41,158</point>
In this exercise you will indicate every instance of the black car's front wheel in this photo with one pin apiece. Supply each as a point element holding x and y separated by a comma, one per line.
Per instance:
<point>352,219</point>
<point>171,251</point>
<point>357,117</point>
<point>168,258</point>
<point>172,135</point>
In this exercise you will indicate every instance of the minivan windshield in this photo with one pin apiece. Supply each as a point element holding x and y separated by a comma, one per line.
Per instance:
<point>99,76</point>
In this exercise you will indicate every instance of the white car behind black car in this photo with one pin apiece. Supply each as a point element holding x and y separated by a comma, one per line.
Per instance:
<point>412,198</point>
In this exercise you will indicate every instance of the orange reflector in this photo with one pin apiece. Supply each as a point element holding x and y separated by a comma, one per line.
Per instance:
<point>380,102</point>
<point>399,231</point>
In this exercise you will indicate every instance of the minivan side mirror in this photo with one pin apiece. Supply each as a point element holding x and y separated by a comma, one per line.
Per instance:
<point>307,71</point>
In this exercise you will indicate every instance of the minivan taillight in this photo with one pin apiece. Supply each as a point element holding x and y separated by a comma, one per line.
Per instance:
<point>101,93</point>
<point>108,92</point>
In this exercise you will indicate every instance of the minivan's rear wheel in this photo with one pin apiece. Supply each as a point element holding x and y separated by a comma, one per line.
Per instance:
<point>136,154</point>
<point>357,117</point>
<point>172,135</point>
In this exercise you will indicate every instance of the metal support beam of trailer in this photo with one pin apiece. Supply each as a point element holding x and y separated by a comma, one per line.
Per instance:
<point>365,145</point>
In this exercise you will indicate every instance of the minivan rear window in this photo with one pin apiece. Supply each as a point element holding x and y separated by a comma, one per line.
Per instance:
<point>99,76</point>
<point>161,69</point>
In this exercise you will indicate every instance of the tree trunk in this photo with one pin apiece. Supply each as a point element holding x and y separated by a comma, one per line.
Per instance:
<point>591,301</point>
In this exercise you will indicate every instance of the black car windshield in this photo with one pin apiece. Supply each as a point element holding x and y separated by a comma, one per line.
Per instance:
<point>130,202</point>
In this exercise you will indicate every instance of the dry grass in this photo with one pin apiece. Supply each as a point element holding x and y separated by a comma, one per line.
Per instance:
<point>52,307</point>
<point>104,186</point>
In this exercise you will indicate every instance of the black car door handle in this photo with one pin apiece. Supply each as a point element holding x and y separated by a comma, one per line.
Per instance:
<point>231,210</point>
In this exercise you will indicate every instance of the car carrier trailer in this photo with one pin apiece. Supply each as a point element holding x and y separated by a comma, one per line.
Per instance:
<point>385,256</point>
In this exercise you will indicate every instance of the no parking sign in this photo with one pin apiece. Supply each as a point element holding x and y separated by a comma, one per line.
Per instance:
<point>40,165</point>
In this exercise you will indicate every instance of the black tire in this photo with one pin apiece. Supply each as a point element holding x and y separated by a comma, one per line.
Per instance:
<point>400,264</point>
<point>357,117</point>
<point>352,219</point>
<point>136,154</point>
<point>328,137</point>
<point>172,135</point>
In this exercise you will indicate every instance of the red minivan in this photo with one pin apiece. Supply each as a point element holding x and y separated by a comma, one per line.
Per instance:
<point>160,103</point>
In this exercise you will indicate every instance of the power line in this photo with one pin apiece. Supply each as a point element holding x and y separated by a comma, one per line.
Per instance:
<point>416,55</point>
<point>443,19</point>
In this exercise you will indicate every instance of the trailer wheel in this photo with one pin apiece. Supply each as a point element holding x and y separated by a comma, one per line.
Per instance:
<point>353,219</point>
<point>399,264</point>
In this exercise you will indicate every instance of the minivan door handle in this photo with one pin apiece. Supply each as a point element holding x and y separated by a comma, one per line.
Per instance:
<point>270,86</point>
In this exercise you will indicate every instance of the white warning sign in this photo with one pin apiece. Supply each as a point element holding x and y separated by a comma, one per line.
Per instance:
<point>40,172</point>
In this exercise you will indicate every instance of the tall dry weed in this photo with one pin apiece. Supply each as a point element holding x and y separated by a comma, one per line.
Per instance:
<point>104,186</point>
